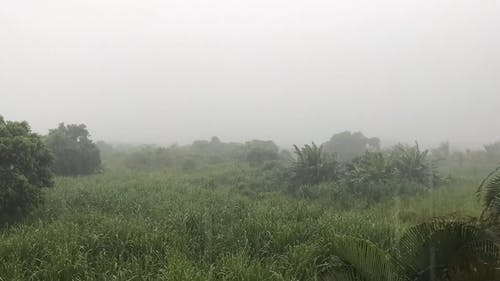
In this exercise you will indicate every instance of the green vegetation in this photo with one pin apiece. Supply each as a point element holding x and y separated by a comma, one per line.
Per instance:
<point>197,156</point>
<point>136,225</point>
<point>229,211</point>
<point>490,191</point>
<point>75,154</point>
<point>24,170</point>
<point>347,145</point>
<point>313,166</point>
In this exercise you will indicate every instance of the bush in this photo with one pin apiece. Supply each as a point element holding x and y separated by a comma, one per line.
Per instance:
<point>24,170</point>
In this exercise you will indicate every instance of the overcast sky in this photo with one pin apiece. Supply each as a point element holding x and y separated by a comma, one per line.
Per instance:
<point>288,70</point>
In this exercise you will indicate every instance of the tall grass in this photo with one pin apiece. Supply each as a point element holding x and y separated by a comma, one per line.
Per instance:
<point>163,226</point>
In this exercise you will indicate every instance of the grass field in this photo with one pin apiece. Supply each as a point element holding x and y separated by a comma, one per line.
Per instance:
<point>166,226</point>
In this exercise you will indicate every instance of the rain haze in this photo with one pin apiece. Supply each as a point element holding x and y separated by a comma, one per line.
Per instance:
<point>258,140</point>
<point>290,71</point>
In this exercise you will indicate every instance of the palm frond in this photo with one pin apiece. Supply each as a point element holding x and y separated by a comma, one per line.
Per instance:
<point>489,190</point>
<point>431,249</point>
<point>480,260</point>
<point>363,260</point>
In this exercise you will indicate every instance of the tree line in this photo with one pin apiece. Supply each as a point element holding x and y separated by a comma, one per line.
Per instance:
<point>28,162</point>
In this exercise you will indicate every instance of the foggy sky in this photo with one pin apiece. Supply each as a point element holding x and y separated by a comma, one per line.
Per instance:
<point>288,70</point>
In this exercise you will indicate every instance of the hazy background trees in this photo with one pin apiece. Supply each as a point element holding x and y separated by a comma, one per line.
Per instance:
<point>365,177</point>
<point>75,153</point>
<point>258,152</point>
<point>198,155</point>
<point>347,145</point>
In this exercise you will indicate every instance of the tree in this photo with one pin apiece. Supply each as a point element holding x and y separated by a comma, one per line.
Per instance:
<point>215,140</point>
<point>347,145</point>
<point>442,152</point>
<point>258,152</point>
<point>75,153</point>
<point>371,167</point>
<point>413,164</point>
<point>24,169</point>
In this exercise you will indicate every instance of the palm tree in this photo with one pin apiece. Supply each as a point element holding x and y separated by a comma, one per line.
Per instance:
<point>412,163</point>
<point>370,167</point>
<point>312,166</point>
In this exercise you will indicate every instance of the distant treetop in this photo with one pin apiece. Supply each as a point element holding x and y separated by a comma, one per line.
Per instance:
<point>75,152</point>
<point>347,145</point>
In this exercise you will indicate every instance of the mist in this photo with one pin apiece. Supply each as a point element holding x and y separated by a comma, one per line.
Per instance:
<point>290,71</point>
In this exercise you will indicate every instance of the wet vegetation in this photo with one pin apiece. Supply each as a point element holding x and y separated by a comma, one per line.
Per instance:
<point>348,209</point>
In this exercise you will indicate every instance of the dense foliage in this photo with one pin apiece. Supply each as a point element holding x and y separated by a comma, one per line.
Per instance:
<point>75,153</point>
<point>24,170</point>
<point>202,154</point>
<point>374,176</point>
<point>250,211</point>
<point>438,249</point>
<point>179,226</point>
